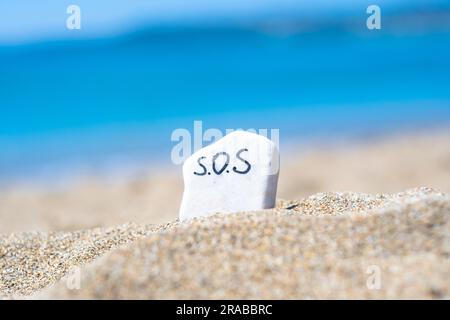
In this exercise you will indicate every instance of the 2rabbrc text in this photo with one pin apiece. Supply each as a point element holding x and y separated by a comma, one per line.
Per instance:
<point>224,310</point>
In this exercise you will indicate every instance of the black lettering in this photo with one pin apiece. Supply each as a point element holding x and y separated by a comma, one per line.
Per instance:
<point>218,172</point>
<point>238,155</point>
<point>201,165</point>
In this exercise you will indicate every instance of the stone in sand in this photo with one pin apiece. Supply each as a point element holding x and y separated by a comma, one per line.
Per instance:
<point>237,173</point>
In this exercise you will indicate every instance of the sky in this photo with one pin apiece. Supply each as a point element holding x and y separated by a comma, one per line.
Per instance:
<point>23,21</point>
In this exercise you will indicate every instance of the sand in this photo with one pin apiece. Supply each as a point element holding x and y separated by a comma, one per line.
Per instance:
<point>369,243</point>
<point>319,247</point>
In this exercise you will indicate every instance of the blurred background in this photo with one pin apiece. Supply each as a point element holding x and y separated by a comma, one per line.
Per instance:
<point>86,118</point>
<point>105,99</point>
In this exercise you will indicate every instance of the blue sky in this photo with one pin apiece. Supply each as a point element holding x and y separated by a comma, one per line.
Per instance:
<point>31,20</point>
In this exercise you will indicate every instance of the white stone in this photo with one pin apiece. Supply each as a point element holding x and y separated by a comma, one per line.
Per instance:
<point>247,182</point>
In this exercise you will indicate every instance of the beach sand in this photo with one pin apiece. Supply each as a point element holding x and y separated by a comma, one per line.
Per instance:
<point>323,242</point>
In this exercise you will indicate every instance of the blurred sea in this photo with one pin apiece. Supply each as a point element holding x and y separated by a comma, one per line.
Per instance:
<point>96,105</point>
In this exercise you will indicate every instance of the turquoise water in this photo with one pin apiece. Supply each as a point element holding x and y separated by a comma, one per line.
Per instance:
<point>92,105</point>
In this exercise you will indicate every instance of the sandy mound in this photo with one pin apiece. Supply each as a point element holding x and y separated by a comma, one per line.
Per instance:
<point>325,246</point>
